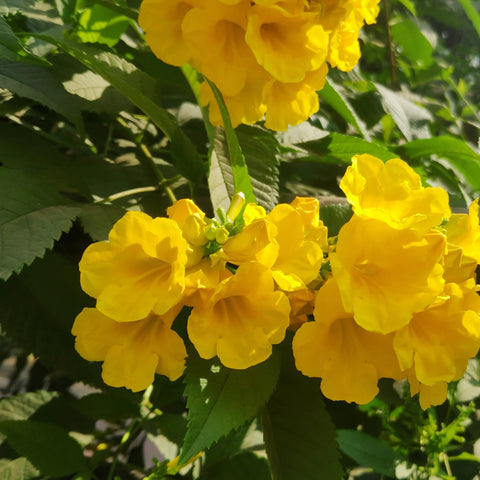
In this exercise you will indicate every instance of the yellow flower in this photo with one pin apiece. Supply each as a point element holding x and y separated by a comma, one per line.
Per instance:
<point>162,22</point>
<point>464,231</point>
<point>140,269</point>
<point>301,305</point>
<point>131,352</point>
<point>384,274</point>
<point>242,319</point>
<point>430,395</point>
<point>439,340</point>
<point>393,192</point>
<point>347,358</point>
<point>286,45</point>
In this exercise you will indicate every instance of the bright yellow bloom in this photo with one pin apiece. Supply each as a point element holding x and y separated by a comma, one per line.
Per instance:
<point>139,270</point>
<point>430,395</point>
<point>384,274</point>
<point>301,305</point>
<point>242,319</point>
<point>393,192</point>
<point>348,359</point>
<point>464,231</point>
<point>439,340</point>
<point>132,352</point>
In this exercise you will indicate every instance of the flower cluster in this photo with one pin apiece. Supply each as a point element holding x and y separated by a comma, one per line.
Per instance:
<point>393,295</point>
<point>402,298</point>
<point>239,278</point>
<point>267,57</point>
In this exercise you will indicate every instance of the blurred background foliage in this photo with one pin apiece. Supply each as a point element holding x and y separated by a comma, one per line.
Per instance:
<point>92,124</point>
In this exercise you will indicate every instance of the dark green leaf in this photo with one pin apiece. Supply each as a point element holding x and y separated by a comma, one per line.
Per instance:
<point>38,84</point>
<point>221,399</point>
<point>335,215</point>
<point>299,434</point>
<point>23,406</point>
<point>32,215</point>
<point>241,178</point>
<point>111,405</point>
<point>98,220</point>
<point>368,451</point>
<point>240,467</point>
<point>47,446</point>
<point>340,148</point>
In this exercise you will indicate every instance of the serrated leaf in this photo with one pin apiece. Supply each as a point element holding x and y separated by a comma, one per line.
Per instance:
<point>340,148</point>
<point>332,95</point>
<point>98,220</point>
<point>47,446</point>
<point>299,434</point>
<point>139,88</point>
<point>240,467</point>
<point>369,451</point>
<point>456,151</point>
<point>260,148</point>
<point>18,469</point>
<point>32,215</point>
<point>221,399</point>
<point>23,406</point>
<point>335,215</point>
<point>38,84</point>
<point>37,310</point>
<point>241,178</point>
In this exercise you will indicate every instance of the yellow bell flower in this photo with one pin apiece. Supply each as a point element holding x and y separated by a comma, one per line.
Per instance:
<point>348,359</point>
<point>242,319</point>
<point>384,274</point>
<point>140,269</point>
<point>393,192</point>
<point>132,352</point>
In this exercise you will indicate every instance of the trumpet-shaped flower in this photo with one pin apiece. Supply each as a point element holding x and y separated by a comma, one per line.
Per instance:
<point>242,319</point>
<point>384,274</point>
<point>393,192</point>
<point>132,352</point>
<point>348,359</point>
<point>140,269</point>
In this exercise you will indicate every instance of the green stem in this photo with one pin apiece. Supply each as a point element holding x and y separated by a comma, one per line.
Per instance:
<point>391,52</point>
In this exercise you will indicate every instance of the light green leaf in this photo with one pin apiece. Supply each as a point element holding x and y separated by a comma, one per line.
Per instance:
<point>472,13</point>
<point>338,148</point>
<point>369,451</point>
<point>23,406</point>
<point>18,469</point>
<point>102,25</point>
<point>47,446</point>
<point>241,178</point>
<point>332,94</point>
<point>299,434</point>
<point>410,6</point>
<point>220,399</point>
<point>456,151</point>
<point>8,7</point>
<point>32,215</point>
<point>413,44</point>
<point>38,84</point>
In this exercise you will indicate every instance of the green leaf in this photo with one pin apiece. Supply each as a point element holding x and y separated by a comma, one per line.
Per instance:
<point>8,7</point>
<point>240,467</point>
<point>47,446</point>
<point>299,434</point>
<point>331,94</point>
<point>338,148</point>
<point>335,215</point>
<point>368,451</point>
<point>221,399</point>
<point>32,215</point>
<point>241,179</point>
<point>38,84</point>
<point>410,6</point>
<point>260,148</point>
<point>413,44</point>
<point>18,469</point>
<point>98,220</point>
<point>23,406</point>
<point>37,310</point>
<point>111,405</point>
<point>456,151</point>
<point>102,25</point>
<point>472,13</point>
<point>139,88</point>
<point>12,49</point>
